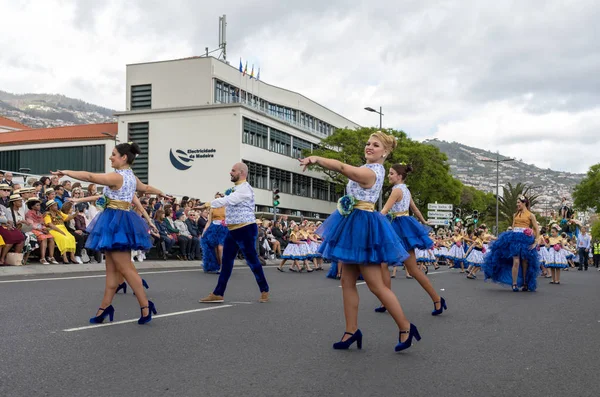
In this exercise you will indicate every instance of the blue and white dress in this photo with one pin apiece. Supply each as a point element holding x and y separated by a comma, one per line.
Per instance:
<point>362,237</point>
<point>294,251</point>
<point>118,228</point>
<point>555,254</point>
<point>413,234</point>
<point>475,257</point>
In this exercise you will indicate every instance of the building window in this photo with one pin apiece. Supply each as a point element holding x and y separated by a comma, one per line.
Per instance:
<point>281,180</point>
<point>298,146</point>
<point>301,185</point>
<point>141,96</point>
<point>138,133</point>
<point>320,189</point>
<point>226,93</point>
<point>335,192</point>
<point>255,134</point>
<point>258,175</point>
<point>281,142</point>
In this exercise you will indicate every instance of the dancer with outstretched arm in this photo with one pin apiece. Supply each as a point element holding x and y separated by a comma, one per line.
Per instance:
<point>361,239</point>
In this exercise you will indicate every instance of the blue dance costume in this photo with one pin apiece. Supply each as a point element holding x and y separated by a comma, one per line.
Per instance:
<point>361,236</point>
<point>412,234</point>
<point>498,263</point>
<point>241,222</point>
<point>214,236</point>
<point>117,228</point>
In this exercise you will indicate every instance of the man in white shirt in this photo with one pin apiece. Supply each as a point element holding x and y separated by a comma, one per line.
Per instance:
<point>583,247</point>
<point>241,222</point>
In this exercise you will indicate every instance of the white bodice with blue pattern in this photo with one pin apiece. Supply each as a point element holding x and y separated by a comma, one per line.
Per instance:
<point>372,194</point>
<point>127,191</point>
<point>242,212</point>
<point>404,204</point>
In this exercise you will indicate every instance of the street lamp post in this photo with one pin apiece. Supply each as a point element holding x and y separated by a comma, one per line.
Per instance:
<point>108,134</point>
<point>497,161</point>
<point>380,113</point>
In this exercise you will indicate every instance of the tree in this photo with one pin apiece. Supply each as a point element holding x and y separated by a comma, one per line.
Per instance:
<point>431,180</point>
<point>586,192</point>
<point>507,202</point>
<point>472,199</point>
<point>595,232</point>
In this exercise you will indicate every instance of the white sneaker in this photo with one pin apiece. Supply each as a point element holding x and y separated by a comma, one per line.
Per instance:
<point>78,260</point>
<point>140,257</point>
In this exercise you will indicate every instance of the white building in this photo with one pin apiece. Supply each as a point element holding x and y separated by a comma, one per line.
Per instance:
<point>194,118</point>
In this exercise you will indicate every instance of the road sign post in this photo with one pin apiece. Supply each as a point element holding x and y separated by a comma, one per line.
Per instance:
<point>439,214</point>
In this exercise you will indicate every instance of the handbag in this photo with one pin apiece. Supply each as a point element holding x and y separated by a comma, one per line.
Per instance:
<point>14,259</point>
<point>84,256</point>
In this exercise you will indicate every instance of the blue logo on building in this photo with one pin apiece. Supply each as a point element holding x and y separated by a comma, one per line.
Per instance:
<point>184,159</point>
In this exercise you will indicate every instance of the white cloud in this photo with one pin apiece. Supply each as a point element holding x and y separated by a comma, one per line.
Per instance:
<point>519,77</point>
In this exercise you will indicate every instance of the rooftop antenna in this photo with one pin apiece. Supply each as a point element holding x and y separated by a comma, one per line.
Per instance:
<point>223,36</point>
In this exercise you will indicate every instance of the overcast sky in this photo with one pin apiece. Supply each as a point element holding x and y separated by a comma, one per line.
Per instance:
<point>521,77</point>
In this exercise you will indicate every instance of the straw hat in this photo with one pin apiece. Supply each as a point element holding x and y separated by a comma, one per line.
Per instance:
<point>50,190</point>
<point>50,203</point>
<point>4,186</point>
<point>15,197</point>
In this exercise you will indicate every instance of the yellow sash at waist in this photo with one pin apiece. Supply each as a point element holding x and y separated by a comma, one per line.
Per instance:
<point>364,206</point>
<point>397,214</point>
<point>118,205</point>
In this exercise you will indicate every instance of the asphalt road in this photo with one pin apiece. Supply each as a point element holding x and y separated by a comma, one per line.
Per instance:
<point>491,341</point>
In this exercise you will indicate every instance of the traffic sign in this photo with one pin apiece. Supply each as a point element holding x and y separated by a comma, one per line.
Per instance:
<point>440,207</point>
<point>439,214</point>
<point>439,222</point>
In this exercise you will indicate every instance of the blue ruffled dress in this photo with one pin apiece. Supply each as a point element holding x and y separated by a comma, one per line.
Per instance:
<point>499,261</point>
<point>412,233</point>
<point>119,229</point>
<point>213,237</point>
<point>362,237</point>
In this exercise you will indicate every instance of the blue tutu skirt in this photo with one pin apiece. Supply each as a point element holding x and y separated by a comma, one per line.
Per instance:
<point>498,263</point>
<point>118,230</point>
<point>412,234</point>
<point>363,237</point>
<point>215,235</point>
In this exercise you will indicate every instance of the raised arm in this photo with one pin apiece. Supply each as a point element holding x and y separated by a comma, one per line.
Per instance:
<point>84,199</point>
<point>416,211</point>
<point>365,177</point>
<point>147,189</point>
<point>111,179</point>
<point>393,199</point>
<point>238,195</point>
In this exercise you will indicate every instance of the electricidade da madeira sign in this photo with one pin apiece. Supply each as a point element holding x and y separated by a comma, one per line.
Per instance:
<point>184,159</point>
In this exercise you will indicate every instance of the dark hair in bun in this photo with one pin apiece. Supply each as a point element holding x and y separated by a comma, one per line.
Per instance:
<point>402,169</point>
<point>129,149</point>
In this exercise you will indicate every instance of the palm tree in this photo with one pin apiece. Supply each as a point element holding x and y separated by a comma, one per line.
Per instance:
<point>510,195</point>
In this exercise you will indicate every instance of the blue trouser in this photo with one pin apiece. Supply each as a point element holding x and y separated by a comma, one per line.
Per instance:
<point>241,239</point>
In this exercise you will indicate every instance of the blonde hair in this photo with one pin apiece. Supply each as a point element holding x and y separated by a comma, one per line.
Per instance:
<point>389,141</point>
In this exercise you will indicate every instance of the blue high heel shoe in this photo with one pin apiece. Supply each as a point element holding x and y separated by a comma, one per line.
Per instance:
<point>515,288</point>
<point>151,311</point>
<point>380,309</point>
<point>355,337</point>
<point>413,332</point>
<point>109,311</point>
<point>145,284</point>
<point>439,311</point>
<point>122,286</point>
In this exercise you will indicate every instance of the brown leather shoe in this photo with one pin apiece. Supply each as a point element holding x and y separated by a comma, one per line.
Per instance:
<point>264,297</point>
<point>212,298</point>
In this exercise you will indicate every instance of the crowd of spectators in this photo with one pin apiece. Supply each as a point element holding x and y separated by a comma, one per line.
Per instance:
<point>44,219</point>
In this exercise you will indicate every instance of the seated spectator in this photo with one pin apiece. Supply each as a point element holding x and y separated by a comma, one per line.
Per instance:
<point>46,184</point>
<point>38,189</point>
<point>59,192</point>
<point>17,217</point>
<point>49,196</point>
<point>193,242</point>
<point>80,235</point>
<point>8,179</point>
<point>5,192</point>
<point>66,190</point>
<point>182,241</point>
<point>192,225</point>
<point>45,240</point>
<point>11,236</point>
<point>92,190</point>
<point>279,235</point>
<point>55,221</point>
<point>16,186</point>
<point>166,239</point>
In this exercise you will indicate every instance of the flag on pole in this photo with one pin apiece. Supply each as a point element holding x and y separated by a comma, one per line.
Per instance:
<point>245,69</point>
<point>252,72</point>
<point>258,74</point>
<point>241,68</point>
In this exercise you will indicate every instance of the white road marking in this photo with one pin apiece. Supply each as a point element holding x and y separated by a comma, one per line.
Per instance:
<point>361,283</point>
<point>153,317</point>
<point>242,303</point>
<point>27,280</point>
